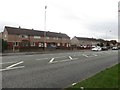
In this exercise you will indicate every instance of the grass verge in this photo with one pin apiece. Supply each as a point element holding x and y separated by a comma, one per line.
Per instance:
<point>105,79</point>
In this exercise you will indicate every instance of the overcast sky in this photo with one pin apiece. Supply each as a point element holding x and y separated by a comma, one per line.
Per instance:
<point>82,18</point>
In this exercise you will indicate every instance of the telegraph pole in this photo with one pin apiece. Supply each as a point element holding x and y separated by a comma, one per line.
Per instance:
<point>45,29</point>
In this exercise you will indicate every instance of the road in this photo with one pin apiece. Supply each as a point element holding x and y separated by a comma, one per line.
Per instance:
<point>53,70</point>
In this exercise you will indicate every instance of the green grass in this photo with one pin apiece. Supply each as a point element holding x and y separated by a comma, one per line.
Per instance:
<point>105,79</point>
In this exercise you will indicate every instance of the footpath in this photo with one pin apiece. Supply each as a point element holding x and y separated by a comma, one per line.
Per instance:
<point>41,52</point>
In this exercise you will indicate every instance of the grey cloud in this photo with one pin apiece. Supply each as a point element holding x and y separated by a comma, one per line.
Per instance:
<point>104,27</point>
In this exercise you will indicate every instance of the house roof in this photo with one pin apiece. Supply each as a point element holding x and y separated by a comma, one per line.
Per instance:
<point>31,32</point>
<point>85,38</point>
<point>92,39</point>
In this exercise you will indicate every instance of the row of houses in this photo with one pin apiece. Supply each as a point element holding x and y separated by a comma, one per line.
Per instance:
<point>22,38</point>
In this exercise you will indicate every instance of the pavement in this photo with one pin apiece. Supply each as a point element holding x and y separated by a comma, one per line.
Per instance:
<point>53,70</point>
<point>41,52</point>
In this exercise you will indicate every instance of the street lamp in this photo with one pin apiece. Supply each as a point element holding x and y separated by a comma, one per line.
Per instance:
<point>45,29</point>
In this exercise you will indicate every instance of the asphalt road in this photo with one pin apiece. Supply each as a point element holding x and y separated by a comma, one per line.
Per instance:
<point>53,70</point>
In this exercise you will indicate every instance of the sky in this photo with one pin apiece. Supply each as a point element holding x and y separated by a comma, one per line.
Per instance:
<point>82,18</point>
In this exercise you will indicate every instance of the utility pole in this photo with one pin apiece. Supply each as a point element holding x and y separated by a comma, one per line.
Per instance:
<point>45,29</point>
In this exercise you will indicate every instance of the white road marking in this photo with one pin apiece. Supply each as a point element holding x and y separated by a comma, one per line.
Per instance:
<point>51,60</point>
<point>74,84</point>
<point>70,57</point>
<point>48,58</point>
<point>42,59</point>
<point>84,55</point>
<point>6,62</point>
<point>14,65</point>
<point>64,60</point>
<point>11,68</point>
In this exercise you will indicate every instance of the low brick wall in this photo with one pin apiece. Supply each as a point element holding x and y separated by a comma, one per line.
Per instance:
<point>41,49</point>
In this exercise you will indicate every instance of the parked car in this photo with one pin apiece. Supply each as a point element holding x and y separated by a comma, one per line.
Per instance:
<point>118,47</point>
<point>114,48</point>
<point>93,46</point>
<point>96,49</point>
<point>104,48</point>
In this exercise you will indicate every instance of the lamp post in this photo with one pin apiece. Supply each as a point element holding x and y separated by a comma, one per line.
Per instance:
<point>45,29</point>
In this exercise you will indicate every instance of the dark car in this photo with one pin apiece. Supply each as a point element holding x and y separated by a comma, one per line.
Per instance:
<point>104,48</point>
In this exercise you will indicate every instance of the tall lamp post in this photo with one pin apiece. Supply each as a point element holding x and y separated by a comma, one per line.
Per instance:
<point>45,29</point>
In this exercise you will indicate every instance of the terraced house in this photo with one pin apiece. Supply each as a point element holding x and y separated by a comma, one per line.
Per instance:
<point>85,42</point>
<point>21,37</point>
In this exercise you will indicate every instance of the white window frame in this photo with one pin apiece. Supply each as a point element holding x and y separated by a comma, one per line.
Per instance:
<point>32,43</point>
<point>37,37</point>
<point>5,35</point>
<point>16,43</point>
<point>40,44</point>
<point>58,44</point>
<point>24,36</point>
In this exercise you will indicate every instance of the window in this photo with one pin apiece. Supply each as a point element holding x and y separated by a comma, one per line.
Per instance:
<point>56,38</point>
<point>32,43</point>
<point>5,35</point>
<point>20,36</point>
<point>40,44</point>
<point>24,36</point>
<point>37,37</point>
<point>47,37</point>
<point>16,43</point>
<point>58,44</point>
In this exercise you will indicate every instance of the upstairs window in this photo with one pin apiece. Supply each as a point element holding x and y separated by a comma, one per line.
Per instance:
<point>5,35</point>
<point>37,37</point>
<point>56,38</point>
<point>47,37</point>
<point>24,36</point>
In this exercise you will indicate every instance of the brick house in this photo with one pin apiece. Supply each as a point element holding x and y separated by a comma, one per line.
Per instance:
<point>20,37</point>
<point>85,42</point>
<point>1,35</point>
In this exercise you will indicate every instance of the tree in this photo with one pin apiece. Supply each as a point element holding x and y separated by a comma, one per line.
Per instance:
<point>114,42</point>
<point>3,45</point>
<point>101,44</point>
<point>107,44</point>
<point>98,44</point>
